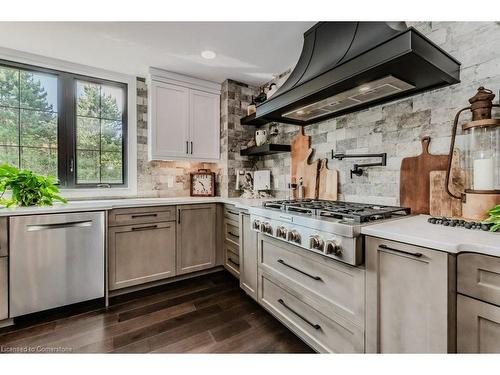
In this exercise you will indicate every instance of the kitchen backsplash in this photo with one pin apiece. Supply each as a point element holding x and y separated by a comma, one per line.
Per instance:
<point>396,128</point>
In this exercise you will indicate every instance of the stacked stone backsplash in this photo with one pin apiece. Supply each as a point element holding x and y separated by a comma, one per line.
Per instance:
<point>235,98</point>
<point>397,127</point>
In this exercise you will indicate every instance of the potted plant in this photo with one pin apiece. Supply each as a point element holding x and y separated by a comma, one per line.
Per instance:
<point>494,218</point>
<point>27,188</point>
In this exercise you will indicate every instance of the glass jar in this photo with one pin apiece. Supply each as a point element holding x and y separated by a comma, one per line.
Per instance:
<point>482,165</point>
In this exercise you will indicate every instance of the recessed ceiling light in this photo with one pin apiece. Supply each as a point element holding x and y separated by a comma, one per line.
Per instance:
<point>209,55</point>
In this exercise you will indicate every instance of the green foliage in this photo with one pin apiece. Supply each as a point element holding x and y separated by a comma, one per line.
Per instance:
<point>494,218</point>
<point>28,126</point>
<point>28,188</point>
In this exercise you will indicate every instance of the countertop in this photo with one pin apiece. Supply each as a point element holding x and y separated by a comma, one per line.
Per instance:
<point>416,230</point>
<point>99,205</point>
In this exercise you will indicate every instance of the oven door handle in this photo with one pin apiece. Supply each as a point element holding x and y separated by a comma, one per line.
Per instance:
<point>281,261</point>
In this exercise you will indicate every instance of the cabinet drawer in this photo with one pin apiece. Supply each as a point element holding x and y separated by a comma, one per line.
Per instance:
<point>334,287</point>
<point>479,277</point>
<point>231,213</point>
<point>232,260</point>
<point>4,282</point>
<point>140,254</point>
<point>132,216</point>
<point>4,240</point>
<point>325,334</point>
<point>478,326</point>
<point>232,232</point>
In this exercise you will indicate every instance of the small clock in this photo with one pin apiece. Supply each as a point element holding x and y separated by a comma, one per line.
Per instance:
<point>203,183</point>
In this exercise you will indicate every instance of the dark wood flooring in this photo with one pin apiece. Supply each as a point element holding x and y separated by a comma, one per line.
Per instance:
<point>208,314</point>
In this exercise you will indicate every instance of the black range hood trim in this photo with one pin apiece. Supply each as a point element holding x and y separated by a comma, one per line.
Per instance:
<point>408,47</point>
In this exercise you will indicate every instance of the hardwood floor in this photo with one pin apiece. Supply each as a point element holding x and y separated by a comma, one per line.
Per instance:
<point>208,314</point>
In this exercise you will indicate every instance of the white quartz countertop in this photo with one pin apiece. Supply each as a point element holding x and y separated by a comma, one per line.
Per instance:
<point>98,205</point>
<point>416,230</point>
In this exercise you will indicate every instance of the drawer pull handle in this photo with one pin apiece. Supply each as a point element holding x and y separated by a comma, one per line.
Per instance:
<point>234,262</point>
<point>281,261</point>
<point>232,213</point>
<point>143,215</point>
<point>136,229</point>
<point>385,247</point>
<point>234,235</point>
<point>315,326</point>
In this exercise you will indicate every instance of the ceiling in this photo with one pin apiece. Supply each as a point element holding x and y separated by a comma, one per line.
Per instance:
<point>249,52</point>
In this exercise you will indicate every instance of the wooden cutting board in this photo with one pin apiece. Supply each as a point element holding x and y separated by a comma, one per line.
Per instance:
<point>414,188</point>
<point>308,170</point>
<point>300,145</point>
<point>328,182</point>
<point>441,204</point>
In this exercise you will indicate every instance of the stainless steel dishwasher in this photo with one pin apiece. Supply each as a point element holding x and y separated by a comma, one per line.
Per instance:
<point>55,260</point>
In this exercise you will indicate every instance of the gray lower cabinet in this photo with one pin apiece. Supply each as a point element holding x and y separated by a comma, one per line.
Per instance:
<point>140,253</point>
<point>478,326</point>
<point>4,269</point>
<point>248,256</point>
<point>410,298</point>
<point>4,287</point>
<point>478,303</point>
<point>319,299</point>
<point>196,237</point>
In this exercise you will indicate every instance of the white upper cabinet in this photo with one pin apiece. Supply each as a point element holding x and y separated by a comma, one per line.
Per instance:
<point>205,124</point>
<point>184,117</point>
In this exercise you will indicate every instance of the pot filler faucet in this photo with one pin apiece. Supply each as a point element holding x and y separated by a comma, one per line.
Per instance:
<point>358,168</point>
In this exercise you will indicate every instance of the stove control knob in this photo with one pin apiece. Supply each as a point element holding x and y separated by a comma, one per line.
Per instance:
<point>315,242</point>
<point>256,224</point>
<point>266,228</point>
<point>281,232</point>
<point>333,248</point>
<point>294,236</point>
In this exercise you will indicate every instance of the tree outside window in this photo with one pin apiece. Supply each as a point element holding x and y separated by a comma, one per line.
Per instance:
<point>31,124</point>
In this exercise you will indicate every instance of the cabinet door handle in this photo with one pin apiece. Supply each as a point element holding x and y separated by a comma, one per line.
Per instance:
<point>234,235</point>
<point>234,262</point>
<point>191,147</point>
<point>187,147</point>
<point>281,261</point>
<point>385,247</point>
<point>143,215</point>
<point>178,216</point>
<point>315,326</point>
<point>136,229</point>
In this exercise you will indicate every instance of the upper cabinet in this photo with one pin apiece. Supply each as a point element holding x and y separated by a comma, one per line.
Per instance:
<point>184,117</point>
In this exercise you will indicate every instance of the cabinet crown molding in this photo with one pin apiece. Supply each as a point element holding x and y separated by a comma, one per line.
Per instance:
<point>156,74</point>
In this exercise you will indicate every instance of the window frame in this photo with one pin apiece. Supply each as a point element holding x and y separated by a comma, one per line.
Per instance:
<point>67,123</point>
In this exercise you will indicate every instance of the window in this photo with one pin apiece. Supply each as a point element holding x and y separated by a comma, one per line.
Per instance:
<point>63,124</point>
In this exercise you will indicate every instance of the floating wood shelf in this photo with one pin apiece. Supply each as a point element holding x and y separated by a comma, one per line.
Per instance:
<point>251,120</point>
<point>267,149</point>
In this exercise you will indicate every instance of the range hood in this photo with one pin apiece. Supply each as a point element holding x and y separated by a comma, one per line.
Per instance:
<point>348,66</point>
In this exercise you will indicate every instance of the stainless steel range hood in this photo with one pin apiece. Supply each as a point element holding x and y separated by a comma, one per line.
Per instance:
<point>348,66</point>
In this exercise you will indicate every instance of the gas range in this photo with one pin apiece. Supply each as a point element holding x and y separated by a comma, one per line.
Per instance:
<point>330,228</point>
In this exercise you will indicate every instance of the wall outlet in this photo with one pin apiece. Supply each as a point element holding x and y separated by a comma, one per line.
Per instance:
<point>170,181</point>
